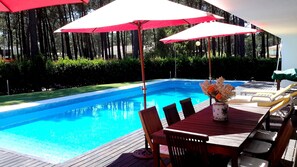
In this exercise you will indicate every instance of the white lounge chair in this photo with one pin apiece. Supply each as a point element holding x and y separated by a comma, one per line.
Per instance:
<point>262,96</point>
<point>269,91</point>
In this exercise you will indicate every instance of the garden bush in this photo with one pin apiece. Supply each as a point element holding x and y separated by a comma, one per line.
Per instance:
<point>34,75</point>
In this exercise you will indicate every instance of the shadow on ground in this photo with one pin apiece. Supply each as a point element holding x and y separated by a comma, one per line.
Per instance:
<point>127,159</point>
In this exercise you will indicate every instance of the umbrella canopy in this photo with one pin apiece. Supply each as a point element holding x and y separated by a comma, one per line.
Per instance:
<point>123,15</point>
<point>138,15</point>
<point>207,30</point>
<point>19,5</point>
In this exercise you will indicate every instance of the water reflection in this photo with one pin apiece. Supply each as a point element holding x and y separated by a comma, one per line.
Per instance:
<point>118,110</point>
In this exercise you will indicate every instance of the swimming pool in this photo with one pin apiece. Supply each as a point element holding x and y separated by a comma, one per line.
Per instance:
<point>74,125</point>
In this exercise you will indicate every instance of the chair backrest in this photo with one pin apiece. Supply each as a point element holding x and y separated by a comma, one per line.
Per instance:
<point>186,148</point>
<point>187,107</point>
<point>281,143</point>
<point>171,114</point>
<point>282,91</point>
<point>286,101</point>
<point>282,107</point>
<point>151,123</point>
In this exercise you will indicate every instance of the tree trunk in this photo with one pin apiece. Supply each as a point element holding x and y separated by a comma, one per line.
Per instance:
<point>235,50</point>
<point>75,37</point>
<point>9,38</point>
<point>25,46</point>
<point>267,45</point>
<point>39,30</point>
<point>67,39</point>
<point>241,40</point>
<point>219,47</point>
<point>263,45</point>
<point>135,44</point>
<point>18,39</point>
<point>108,46</point>
<point>111,46</point>
<point>228,38</point>
<point>104,45</point>
<point>118,45</point>
<point>33,33</point>
<point>123,37</point>
<point>90,48</point>
<point>213,46</point>
<point>254,43</point>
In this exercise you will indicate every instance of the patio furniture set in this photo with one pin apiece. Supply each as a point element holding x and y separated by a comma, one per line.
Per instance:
<point>256,134</point>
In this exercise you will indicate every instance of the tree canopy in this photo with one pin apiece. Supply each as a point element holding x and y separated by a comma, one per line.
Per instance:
<point>29,33</point>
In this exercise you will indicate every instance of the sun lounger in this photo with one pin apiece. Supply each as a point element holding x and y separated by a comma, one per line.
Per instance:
<point>269,91</point>
<point>254,98</point>
<point>262,99</point>
<point>262,96</point>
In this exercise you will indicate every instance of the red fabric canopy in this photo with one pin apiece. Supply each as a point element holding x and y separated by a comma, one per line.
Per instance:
<point>19,5</point>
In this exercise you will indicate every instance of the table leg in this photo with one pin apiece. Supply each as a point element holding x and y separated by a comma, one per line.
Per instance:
<point>156,153</point>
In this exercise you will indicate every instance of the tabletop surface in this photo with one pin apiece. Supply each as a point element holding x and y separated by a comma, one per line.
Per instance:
<point>242,120</point>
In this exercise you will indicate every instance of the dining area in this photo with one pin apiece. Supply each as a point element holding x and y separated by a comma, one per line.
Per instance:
<point>199,139</point>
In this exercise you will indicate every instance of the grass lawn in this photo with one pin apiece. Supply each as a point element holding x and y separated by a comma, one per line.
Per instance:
<point>36,96</point>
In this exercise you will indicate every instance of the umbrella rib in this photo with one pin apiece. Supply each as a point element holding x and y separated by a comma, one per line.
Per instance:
<point>94,30</point>
<point>186,21</point>
<point>6,7</point>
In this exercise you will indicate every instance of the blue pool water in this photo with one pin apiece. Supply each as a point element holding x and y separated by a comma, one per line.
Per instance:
<point>75,126</point>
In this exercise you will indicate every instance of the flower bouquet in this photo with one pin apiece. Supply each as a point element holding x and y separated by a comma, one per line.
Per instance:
<point>221,93</point>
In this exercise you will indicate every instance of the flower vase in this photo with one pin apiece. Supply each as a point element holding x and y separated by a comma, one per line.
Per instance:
<point>220,111</point>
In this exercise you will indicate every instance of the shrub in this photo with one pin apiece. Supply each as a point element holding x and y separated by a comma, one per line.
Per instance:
<point>27,76</point>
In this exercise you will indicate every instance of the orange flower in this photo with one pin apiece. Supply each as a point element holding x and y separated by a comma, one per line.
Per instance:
<point>219,97</point>
<point>211,89</point>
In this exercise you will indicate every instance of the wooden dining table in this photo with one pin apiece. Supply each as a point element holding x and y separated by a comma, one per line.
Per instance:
<point>225,138</point>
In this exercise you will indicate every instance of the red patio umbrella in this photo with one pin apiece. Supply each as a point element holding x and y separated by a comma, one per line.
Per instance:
<point>19,5</point>
<point>207,30</point>
<point>123,15</point>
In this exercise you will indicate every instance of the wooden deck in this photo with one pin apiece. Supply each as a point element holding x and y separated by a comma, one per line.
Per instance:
<point>13,159</point>
<point>114,154</point>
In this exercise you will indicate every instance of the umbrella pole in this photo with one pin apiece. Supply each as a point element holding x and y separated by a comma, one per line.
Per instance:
<point>209,65</point>
<point>143,152</point>
<point>142,65</point>
<point>142,70</point>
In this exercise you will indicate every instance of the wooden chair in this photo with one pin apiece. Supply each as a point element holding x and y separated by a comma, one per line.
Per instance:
<point>258,145</point>
<point>186,148</point>
<point>171,114</point>
<point>280,144</point>
<point>270,136</point>
<point>187,107</point>
<point>151,123</point>
<point>274,152</point>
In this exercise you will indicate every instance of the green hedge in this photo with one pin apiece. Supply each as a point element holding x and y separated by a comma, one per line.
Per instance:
<point>27,76</point>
